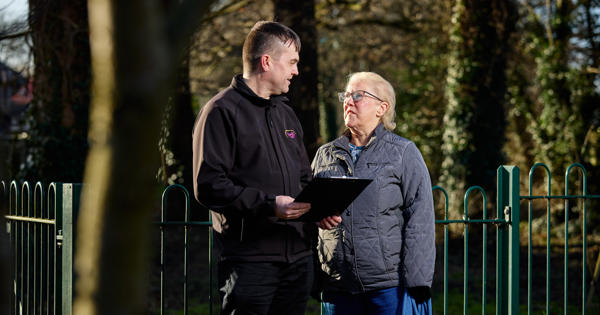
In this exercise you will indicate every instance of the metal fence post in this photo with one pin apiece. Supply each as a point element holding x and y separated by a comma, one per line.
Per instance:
<point>66,240</point>
<point>507,267</point>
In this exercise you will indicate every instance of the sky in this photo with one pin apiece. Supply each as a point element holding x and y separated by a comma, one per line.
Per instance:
<point>11,9</point>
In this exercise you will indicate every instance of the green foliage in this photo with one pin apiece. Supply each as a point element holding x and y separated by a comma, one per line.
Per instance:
<point>420,99</point>
<point>554,97</point>
<point>558,133</point>
<point>405,46</point>
<point>171,170</point>
<point>474,120</point>
<point>456,138</point>
<point>463,85</point>
<point>414,44</point>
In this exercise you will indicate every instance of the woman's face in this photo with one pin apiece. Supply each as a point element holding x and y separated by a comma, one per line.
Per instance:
<point>362,115</point>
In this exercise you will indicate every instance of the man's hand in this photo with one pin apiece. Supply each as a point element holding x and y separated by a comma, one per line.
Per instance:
<point>330,222</point>
<point>287,209</point>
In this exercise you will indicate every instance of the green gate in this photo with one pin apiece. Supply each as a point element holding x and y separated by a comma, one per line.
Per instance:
<point>40,234</point>
<point>40,229</point>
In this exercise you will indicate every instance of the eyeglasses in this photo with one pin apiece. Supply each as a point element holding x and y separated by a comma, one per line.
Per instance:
<point>356,95</point>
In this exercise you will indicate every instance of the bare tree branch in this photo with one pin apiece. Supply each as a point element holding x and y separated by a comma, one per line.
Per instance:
<point>14,30</point>
<point>4,36</point>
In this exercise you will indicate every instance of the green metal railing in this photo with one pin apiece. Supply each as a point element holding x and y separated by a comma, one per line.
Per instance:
<point>507,267</point>
<point>568,199</point>
<point>186,245</point>
<point>40,226</point>
<point>508,240</point>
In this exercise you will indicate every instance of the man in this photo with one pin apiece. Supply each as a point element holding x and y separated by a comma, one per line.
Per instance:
<point>249,160</point>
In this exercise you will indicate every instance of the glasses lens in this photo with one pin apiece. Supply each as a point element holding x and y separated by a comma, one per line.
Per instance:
<point>357,96</point>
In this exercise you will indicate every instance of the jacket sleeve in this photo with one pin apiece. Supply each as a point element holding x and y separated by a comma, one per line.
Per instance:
<point>214,146</point>
<point>418,246</point>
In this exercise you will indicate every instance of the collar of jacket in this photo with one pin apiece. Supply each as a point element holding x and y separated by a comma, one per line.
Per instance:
<point>240,85</point>
<point>343,142</point>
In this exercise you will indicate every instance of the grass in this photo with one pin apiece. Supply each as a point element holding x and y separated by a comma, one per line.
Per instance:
<point>196,308</point>
<point>455,306</point>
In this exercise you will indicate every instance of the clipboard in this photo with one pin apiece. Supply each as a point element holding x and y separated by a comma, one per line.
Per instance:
<point>330,196</point>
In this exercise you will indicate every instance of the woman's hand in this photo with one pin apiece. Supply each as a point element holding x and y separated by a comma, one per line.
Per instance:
<point>330,222</point>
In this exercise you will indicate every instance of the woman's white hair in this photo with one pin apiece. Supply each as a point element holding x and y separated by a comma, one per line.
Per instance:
<point>382,89</point>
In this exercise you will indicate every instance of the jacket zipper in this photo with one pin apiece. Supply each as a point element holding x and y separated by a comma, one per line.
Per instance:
<point>281,168</point>
<point>242,231</point>
<point>350,165</point>
<point>275,145</point>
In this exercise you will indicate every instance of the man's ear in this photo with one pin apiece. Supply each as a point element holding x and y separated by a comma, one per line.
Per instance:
<point>265,62</point>
<point>383,107</point>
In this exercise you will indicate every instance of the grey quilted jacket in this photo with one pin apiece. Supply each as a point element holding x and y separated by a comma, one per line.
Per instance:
<point>387,235</point>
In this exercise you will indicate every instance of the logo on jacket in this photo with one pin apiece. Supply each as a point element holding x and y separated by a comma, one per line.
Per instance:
<point>290,134</point>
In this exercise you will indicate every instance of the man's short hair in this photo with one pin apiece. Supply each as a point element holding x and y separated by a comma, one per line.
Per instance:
<point>262,39</point>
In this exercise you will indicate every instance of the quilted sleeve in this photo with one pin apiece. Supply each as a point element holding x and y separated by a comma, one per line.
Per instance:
<point>418,246</point>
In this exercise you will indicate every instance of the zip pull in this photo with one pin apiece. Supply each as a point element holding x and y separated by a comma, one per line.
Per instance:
<point>269,117</point>
<point>242,231</point>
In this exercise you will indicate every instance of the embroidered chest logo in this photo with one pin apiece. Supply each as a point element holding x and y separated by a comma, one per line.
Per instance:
<point>290,133</point>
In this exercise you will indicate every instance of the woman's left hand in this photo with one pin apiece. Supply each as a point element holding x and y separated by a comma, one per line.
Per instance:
<point>330,222</point>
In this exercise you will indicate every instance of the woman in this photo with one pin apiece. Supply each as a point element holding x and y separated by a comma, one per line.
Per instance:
<point>378,256</point>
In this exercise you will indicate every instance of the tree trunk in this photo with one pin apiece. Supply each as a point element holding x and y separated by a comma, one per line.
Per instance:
<point>475,117</point>
<point>175,143</point>
<point>135,54</point>
<point>58,139</point>
<point>303,94</point>
<point>182,125</point>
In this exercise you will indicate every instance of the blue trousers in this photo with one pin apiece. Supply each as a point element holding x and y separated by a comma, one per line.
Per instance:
<point>392,301</point>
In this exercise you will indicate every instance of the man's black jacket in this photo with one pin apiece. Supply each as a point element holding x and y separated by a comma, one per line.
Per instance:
<point>247,150</point>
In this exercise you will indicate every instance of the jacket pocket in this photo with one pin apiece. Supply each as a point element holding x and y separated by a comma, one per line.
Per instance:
<point>391,240</point>
<point>329,252</point>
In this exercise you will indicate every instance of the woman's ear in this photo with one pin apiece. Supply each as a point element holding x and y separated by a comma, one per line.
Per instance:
<point>383,107</point>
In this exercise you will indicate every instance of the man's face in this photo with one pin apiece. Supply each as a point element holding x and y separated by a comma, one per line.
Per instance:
<point>284,68</point>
